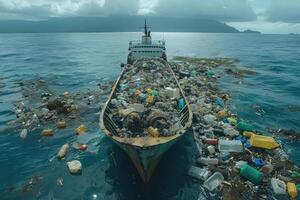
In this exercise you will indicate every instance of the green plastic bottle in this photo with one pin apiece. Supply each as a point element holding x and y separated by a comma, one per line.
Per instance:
<point>244,126</point>
<point>251,174</point>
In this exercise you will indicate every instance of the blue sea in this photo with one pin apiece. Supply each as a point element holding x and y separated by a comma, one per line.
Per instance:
<point>76,62</point>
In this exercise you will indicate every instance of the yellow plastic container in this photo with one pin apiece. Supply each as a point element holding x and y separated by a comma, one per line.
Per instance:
<point>222,113</point>
<point>263,142</point>
<point>292,190</point>
<point>248,134</point>
<point>81,129</point>
<point>153,132</point>
<point>47,132</point>
<point>150,99</point>
<point>61,124</point>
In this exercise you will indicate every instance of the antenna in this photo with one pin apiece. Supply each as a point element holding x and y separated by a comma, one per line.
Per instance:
<point>145,27</point>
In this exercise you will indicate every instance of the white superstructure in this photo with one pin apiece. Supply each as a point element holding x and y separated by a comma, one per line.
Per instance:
<point>146,47</point>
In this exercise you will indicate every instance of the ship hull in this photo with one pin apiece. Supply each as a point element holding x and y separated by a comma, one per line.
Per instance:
<point>146,159</point>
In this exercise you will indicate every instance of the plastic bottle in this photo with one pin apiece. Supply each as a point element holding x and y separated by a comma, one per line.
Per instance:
<point>181,104</point>
<point>292,190</point>
<point>251,174</point>
<point>281,153</point>
<point>264,142</point>
<point>208,161</point>
<point>244,126</point>
<point>230,146</point>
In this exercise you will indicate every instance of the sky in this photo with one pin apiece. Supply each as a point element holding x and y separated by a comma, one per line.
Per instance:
<point>267,16</point>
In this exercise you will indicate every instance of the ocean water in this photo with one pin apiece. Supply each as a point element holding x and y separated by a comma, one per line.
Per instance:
<point>78,61</point>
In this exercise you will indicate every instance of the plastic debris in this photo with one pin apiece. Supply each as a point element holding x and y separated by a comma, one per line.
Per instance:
<point>278,186</point>
<point>153,132</point>
<point>81,129</point>
<point>214,181</point>
<point>230,146</point>
<point>210,141</point>
<point>208,161</point>
<point>199,173</point>
<point>292,190</point>
<point>211,149</point>
<point>61,124</point>
<point>231,132</point>
<point>172,92</point>
<point>209,119</point>
<point>232,120</point>
<point>181,104</point>
<point>251,174</point>
<point>267,168</point>
<point>263,142</point>
<point>258,162</point>
<point>60,181</point>
<point>244,126</point>
<point>24,133</point>
<point>222,114</point>
<point>75,167</point>
<point>63,151</point>
<point>83,147</point>
<point>47,132</point>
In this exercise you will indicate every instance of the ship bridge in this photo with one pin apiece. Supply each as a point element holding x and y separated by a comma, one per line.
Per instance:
<point>146,47</point>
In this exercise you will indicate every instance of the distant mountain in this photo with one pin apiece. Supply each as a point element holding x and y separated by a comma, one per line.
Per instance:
<point>114,24</point>
<point>251,31</point>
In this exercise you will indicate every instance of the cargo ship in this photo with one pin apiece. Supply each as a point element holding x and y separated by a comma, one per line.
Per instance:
<point>145,150</point>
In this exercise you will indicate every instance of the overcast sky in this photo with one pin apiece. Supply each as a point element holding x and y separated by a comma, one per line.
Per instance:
<point>268,16</point>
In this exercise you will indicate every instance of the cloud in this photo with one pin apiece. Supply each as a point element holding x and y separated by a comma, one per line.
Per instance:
<point>60,8</point>
<point>231,10</point>
<point>284,11</point>
<point>224,10</point>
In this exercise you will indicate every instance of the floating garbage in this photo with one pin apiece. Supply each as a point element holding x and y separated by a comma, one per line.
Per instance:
<point>60,181</point>
<point>267,168</point>
<point>292,190</point>
<point>75,167</point>
<point>258,162</point>
<point>214,181</point>
<point>47,132</point>
<point>210,141</point>
<point>278,186</point>
<point>61,124</point>
<point>222,114</point>
<point>251,174</point>
<point>24,133</point>
<point>244,126</point>
<point>83,147</point>
<point>199,173</point>
<point>81,129</point>
<point>208,161</point>
<point>63,151</point>
<point>211,149</point>
<point>230,146</point>
<point>263,142</point>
